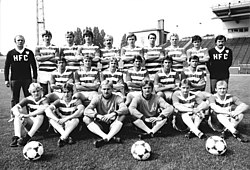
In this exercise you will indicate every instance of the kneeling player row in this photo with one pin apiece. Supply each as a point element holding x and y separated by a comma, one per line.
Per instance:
<point>149,112</point>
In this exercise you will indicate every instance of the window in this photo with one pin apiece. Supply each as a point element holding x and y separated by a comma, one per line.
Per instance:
<point>243,29</point>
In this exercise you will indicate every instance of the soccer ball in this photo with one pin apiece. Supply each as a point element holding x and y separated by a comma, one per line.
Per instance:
<point>141,150</point>
<point>216,145</point>
<point>33,150</point>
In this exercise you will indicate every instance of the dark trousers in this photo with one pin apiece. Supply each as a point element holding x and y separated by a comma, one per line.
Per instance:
<point>16,86</point>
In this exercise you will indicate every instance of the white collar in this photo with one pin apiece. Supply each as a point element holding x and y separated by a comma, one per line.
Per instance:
<point>20,51</point>
<point>219,50</point>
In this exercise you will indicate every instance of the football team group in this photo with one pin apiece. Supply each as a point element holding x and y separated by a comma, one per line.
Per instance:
<point>102,89</point>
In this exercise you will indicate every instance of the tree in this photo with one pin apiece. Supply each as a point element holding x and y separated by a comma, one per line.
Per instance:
<point>98,37</point>
<point>78,37</point>
<point>124,41</point>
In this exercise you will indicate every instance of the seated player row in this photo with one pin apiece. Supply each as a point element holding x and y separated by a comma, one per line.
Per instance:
<point>107,111</point>
<point>47,55</point>
<point>87,79</point>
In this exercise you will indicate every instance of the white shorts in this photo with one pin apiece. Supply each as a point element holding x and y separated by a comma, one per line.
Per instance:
<point>44,77</point>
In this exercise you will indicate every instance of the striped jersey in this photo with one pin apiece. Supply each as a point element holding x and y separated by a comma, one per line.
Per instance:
<point>175,52</point>
<point>48,65</point>
<point>166,79</point>
<point>194,77</point>
<point>152,62</point>
<point>90,76</point>
<point>65,109</point>
<point>70,54</point>
<point>61,78</point>
<point>201,53</point>
<point>228,103</point>
<point>190,101</point>
<point>136,77</point>
<point>128,53</point>
<point>107,54</point>
<point>31,104</point>
<point>92,51</point>
<point>115,77</point>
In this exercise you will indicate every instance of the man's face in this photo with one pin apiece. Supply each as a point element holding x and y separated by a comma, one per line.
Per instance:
<point>185,89</point>
<point>193,63</point>
<point>70,39</point>
<point>88,39</point>
<point>108,42</point>
<point>131,41</point>
<point>167,64</point>
<point>19,40</point>
<point>174,40</point>
<point>197,43</point>
<point>220,43</point>
<point>152,39</point>
<point>221,89</point>
<point>67,94</point>
<point>106,91</point>
<point>87,62</point>
<point>36,94</point>
<point>137,63</point>
<point>113,64</point>
<point>147,91</point>
<point>47,39</point>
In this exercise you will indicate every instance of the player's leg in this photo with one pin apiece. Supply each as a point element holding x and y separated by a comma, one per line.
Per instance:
<point>17,129</point>
<point>237,119</point>
<point>187,119</point>
<point>25,87</point>
<point>37,122</point>
<point>213,85</point>
<point>158,125</point>
<point>115,127</point>
<point>93,127</point>
<point>70,125</point>
<point>141,124</point>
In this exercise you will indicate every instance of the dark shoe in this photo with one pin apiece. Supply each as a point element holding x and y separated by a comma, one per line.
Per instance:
<point>23,141</point>
<point>239,137</point>
<point>61,142</point>
<point>190,135</point>
<point>14,141</point>
<point>100,143</point>
<point>203,136</point>
<point>71,141</point>
<point>146,135</point>
<point>116,139</point>
<point>224,134</point>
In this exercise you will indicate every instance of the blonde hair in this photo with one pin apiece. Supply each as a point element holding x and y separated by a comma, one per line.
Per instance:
<point>108,37</point>
<point>108,83</point>
<point>34,86</point>
<point>174,35</point>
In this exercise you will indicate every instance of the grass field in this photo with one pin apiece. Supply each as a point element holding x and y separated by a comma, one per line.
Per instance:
<point>171,151</point>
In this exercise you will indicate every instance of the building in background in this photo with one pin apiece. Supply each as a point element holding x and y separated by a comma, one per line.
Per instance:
<point>142,35</point>
<point>235,16</point>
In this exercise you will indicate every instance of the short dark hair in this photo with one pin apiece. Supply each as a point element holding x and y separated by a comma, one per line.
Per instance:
<point>196,38</point>
<point>131,35</point>
<point>194,57</point>
<point>147,81</point>
<point>46,32</point>
<point>167,58</point>
<point>137,57</point>
<point>185,82</point>
<point>153,34</point>
<point>69,87</point>
<point>220,37</point>
<point>89,33</point>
